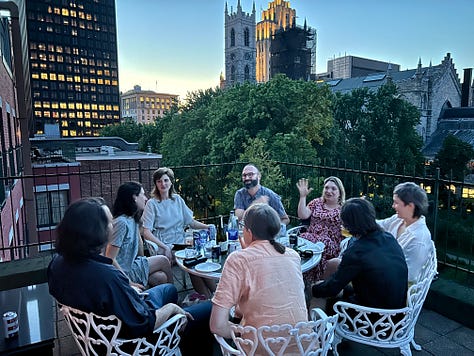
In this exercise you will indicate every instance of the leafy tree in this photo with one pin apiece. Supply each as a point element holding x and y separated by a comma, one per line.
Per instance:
<point>453,157</point>
<point>378,127</point>
<point>129,130</point>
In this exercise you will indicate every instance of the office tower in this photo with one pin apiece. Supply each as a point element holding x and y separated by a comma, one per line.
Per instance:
<point>73,65</point>
<point>279,15</point>
<point>239,46</point>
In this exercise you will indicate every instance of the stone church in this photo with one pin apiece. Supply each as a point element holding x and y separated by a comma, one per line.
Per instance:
<point>240,46</point>
<point>430,89</point>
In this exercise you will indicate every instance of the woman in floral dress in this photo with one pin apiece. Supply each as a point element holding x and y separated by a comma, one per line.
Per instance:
<point>325,223</point>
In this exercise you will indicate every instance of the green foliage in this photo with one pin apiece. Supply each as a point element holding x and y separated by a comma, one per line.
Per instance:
<point>378,127</point>
<point>129,130</point>
<point>453,157</point>
<point>282,120</point>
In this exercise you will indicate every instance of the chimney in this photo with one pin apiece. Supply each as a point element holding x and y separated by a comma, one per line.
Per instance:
<point>466,88</point>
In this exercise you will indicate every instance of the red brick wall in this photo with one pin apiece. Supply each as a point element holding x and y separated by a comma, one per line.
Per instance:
<point>102,178</point>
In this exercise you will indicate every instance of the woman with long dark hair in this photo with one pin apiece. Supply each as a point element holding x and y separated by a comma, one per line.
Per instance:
<point>126,246</point>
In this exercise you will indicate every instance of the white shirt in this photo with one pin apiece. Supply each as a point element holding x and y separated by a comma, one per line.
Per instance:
<point>415,242</point>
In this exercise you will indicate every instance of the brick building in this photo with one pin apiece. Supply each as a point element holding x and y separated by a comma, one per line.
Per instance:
<point>68,169</point>
<point>16,197</point>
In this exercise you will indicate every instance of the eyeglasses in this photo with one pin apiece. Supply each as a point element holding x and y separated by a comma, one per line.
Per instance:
<point>241,225</point>
<point>250,174</point>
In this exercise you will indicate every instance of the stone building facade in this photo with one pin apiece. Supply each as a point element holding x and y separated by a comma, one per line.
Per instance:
<point>430,89</point>
<point>239,53</point>
<point>145,106</point>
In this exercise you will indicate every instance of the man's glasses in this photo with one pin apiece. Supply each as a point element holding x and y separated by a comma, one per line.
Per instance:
<point>250,174</point>
<point>241,225</point>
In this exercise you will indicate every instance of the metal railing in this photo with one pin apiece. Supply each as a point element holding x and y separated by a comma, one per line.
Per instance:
<point>209,190</point>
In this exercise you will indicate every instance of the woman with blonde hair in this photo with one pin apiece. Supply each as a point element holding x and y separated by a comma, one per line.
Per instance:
<point>325,221</point>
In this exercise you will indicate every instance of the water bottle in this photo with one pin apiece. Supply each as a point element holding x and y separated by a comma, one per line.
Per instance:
<point>232,232</point>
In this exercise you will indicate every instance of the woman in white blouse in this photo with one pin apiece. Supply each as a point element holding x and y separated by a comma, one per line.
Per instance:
<point>408,226</point>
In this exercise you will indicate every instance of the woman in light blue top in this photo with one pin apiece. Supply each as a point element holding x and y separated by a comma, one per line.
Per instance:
<point>126,246</point>
<point>164,219</point>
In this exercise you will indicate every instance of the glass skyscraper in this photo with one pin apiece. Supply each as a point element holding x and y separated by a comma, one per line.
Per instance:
<point>73,65</point>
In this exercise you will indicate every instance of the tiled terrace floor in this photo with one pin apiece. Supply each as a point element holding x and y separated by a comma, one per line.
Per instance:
<point>436,334</point>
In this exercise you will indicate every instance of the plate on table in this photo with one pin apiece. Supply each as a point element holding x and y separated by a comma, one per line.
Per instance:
<point>207,267</point>
<point>182,254</point>
<point>317,247</point>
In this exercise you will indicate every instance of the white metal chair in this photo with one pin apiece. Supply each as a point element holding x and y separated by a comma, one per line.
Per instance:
<point>305,338</point>
<point>387,328</point>
<point>98,335</point>
<point>296,230</point>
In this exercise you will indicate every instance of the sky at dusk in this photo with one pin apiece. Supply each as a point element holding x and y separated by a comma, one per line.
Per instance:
<point>177,46</point>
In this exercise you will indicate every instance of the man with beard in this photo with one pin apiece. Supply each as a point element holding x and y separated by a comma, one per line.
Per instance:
<point>253,193</point>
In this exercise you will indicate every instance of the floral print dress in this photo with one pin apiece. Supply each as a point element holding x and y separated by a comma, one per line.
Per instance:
<point>325,226</point>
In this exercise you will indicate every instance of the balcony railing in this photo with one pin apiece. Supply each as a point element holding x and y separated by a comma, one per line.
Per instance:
<point>209,190</point>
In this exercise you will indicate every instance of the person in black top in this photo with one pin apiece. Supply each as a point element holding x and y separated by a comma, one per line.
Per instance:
<point>374,263</point>
<point>81,277</point>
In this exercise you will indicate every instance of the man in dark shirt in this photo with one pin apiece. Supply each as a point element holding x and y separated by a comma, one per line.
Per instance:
<point>374,263</point>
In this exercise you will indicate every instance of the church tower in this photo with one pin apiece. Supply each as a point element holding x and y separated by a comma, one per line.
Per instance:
<point>240,50</point>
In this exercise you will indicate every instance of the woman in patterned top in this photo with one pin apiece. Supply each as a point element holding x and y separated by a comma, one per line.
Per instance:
<point>126,246</point>
<point>325,221</point>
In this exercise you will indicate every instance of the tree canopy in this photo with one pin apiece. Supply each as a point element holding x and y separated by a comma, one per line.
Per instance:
<point>282,120</point>
<point>453,157</point>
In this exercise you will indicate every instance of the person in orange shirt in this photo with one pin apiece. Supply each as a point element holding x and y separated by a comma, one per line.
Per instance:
<point>263,280</point>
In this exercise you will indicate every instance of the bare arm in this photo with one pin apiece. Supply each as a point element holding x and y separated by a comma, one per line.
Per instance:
<point>303,211</point>
<point>285,219</point>
<point>219,323</point>
<point>149,236</point>
<point>198,225</point>
<point>239,213</point>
